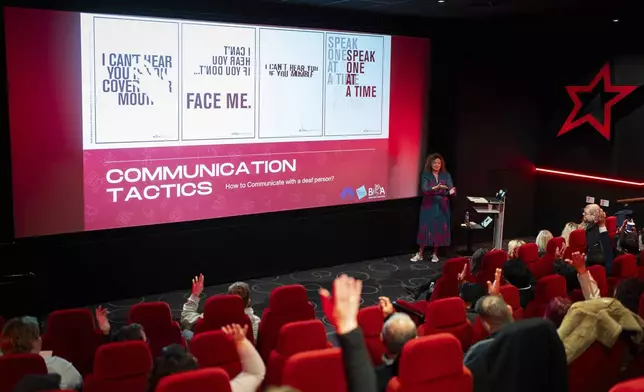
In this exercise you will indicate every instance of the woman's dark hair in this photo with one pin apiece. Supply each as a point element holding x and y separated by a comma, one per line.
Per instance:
<point>133,331</point>
<point>431,158</point>
<point>629,292</point>
<point>173,359</point>
<point>557,309</point>
<point>628,243</point>
<point>477,260</point>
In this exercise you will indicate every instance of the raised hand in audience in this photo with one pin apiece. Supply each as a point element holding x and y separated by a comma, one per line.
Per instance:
<point>559,252</point>
<point>386,306</point>
<point>346,291</point>
<point>494,288</point>
<point>578,261</point>
<point>102,321</point>
<point>601,218</point>
<point>197,285</point>
<point>235,332</point>
<point>463,274</point>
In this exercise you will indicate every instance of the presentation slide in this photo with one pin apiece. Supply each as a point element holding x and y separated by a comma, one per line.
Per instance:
<point>122,121</point>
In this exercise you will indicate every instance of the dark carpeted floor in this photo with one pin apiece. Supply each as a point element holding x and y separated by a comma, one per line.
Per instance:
<point>381,277</point>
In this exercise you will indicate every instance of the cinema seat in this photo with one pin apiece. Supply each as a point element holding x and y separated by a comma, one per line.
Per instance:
<point>447,316</point>
<point>371,320</point>
<point>71,334</point>
<point>215,349</point>
<point>576,243</point>
<point>529,253</point>
<point>447,285</point>
<point>122,367</point>
<point>316,371</point>
<point>547,288</point>
<point>222,310</point>
<point>491,261</point>
<point>14,367</point>
<point>543,267</point>
<point>511,296</point>
<point>598,272</point>
<point>636,385</point>
<point>294,338</point>
<point>598,368</point>
<point>478,331</point>
<point>553,245</point>
<point>611,226</point>
<point>286,304</point>
<point>432,363</point>
<point>624,267</point>
<point>156,319</point>
<point>210,379</point>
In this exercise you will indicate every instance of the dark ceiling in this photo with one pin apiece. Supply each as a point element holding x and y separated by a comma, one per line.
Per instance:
<point>475,8</point>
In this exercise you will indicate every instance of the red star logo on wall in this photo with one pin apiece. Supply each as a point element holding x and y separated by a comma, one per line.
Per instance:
<point>619,92</point>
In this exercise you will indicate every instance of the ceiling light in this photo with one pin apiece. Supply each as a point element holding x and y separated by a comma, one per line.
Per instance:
<point>615,20</point>
<point>441,1</point>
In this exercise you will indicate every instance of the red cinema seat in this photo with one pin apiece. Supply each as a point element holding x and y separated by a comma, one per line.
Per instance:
<point>122,367</point>
<point>71,334</point>
<point>201,380</point>
<point>447,316</point>
<point>636,385</point>
<point>285,305</point>
<point>371,320</point>
<point>598,272</point>
<point>432,363</point>
<point>316,371</point>
<point>14,367</point>
<point>553,245</point>
<point>222,310</point>
<point>447,285</point>
<point>529,253</point>
<point>547,288</point>
<point>597,369</point>
<point>478,331</point>
<point>624,267</point>
<point>215,349</point>
<point>611,226</point>
<point>577,243</point>
<point>491,261</point>
<point>511,296</point>
<point>543,267</point>
<point>296,337</point>
<point>156,319</point>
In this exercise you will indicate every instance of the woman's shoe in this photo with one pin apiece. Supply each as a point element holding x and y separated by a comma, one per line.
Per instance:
<point>434,259</point>
<point>417,257</point>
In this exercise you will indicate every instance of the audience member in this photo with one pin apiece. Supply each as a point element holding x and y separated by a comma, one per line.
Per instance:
<point>21,335</point>
<point>495,314</point>
<point>190,314</point>
<point>602,320</point>
<point>597,239</point>
<point>132,331</point>
<point>568,228</point>
<point>38,382</point>
<point>587,283</point>
<point>175,359</point>
<point>360,373</point>
<point>629,292</point>
<point>557,309</point>
<point>526,356</point>
<point>542,241</point>
<point>517,273</point>
<point>628,243</point>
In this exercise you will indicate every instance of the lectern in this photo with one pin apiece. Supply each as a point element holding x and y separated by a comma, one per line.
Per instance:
<point>495,208</point>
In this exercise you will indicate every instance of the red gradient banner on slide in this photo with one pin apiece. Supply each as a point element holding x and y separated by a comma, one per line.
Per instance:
<point>61,185</point>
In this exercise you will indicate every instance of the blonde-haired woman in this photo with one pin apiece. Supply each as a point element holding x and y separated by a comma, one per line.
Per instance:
<point>513,248</point>
<point>542,241</point>
<point>569,228</point>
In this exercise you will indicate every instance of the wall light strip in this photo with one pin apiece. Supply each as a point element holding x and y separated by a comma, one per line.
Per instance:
<point>588,177</point>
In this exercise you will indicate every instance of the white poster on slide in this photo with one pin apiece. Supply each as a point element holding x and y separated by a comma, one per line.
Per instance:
<point>136,74</point>
<point>291,85</point>
<point>354,84</point>
<point>218,82</point>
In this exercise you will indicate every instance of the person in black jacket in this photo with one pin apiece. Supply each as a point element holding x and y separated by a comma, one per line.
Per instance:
<point>597,239</point>
<point>525,356</point>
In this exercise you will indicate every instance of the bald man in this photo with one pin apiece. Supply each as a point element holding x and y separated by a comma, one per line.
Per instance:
<point>597,239</point>
<point>495,313</point>
<point>397,330</point>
